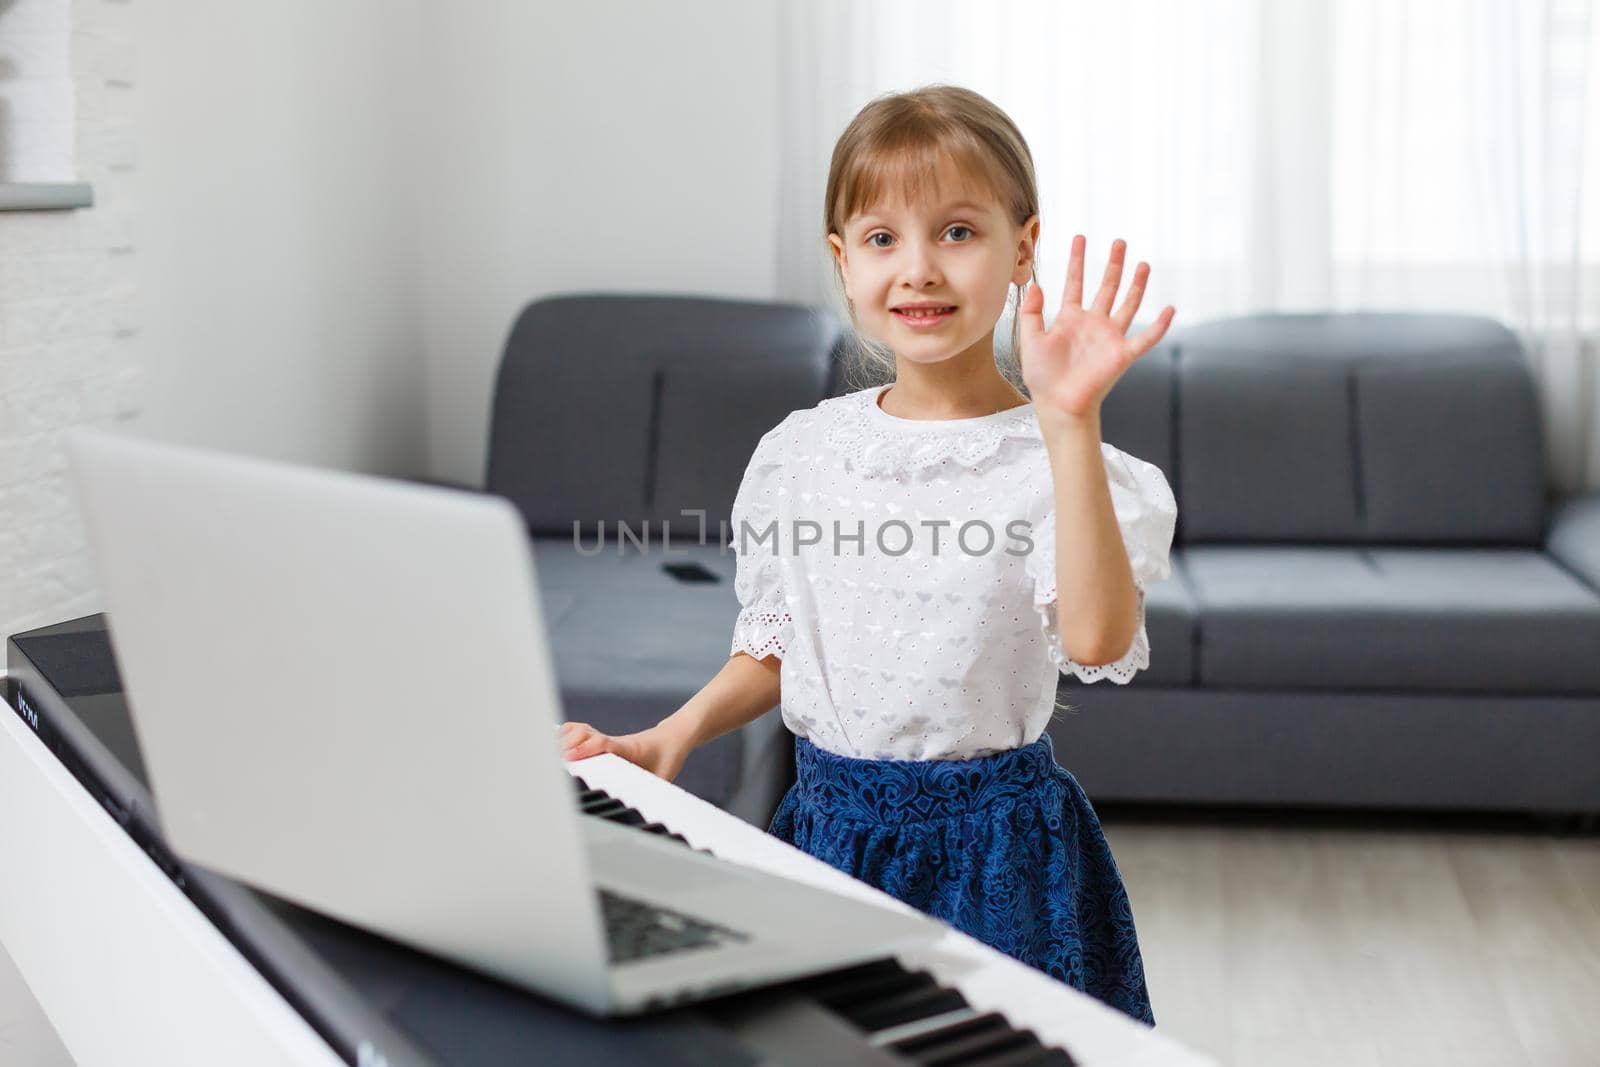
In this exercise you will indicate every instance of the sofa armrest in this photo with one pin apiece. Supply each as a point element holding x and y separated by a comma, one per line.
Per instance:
<point>1574,536</point>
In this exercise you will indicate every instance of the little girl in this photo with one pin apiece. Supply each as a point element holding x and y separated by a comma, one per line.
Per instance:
<point>903,551</point>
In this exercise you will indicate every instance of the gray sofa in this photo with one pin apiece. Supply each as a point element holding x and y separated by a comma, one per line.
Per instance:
<point>1374,602</point>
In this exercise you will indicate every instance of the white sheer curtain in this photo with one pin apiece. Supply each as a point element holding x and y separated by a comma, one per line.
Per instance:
<point>1266,155</point>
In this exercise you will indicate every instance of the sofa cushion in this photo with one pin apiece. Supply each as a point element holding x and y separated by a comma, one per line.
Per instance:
<point>1372,427</point>
<point>628,624</point>
<point>1478,620</point>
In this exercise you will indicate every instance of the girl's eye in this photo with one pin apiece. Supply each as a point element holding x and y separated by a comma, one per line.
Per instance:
<point>872,239</point>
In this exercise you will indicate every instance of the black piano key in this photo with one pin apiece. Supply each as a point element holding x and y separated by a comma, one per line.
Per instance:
<point>888,965</point>
<point>1037,1056</point>
<point>627,817</point>
<point>985,1049</point>
<point>599,803</point>
<point>862,992</point>
<point>658,828</point>
<point>604,808</point>
<point>913,1004</point>
<point>961,1042</point>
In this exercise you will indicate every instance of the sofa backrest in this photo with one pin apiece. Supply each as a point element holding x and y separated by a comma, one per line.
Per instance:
<point>1350,427</point>
<point>1137,415</point>
<point>628,407</point>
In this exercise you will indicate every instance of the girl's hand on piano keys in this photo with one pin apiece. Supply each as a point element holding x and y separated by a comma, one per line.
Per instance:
<point>651,749</point>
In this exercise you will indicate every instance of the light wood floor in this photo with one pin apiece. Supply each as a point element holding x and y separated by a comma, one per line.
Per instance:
<point>1299,939</point>
<point>1302,939</point>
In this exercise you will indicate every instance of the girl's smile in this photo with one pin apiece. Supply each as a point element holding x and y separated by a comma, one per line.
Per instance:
<point>924,316</point>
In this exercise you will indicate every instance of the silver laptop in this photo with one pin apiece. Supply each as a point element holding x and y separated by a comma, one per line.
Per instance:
<point>343,694</point>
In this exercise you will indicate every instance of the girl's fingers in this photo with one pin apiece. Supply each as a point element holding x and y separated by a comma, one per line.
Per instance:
<point>1032,312</point>
<point>1072,294</point>
<point>592,745</point>
<point>577,734</point>
<point>1152,334</point>
<point>1130,303</point>
<point>1113,278</point>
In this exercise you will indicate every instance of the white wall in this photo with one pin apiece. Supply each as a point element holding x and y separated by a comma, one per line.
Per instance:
<point>316,220</point>
<point>277,233</point>
<point>69,283</point>
<point>247,276</point>
<point>605,145</point>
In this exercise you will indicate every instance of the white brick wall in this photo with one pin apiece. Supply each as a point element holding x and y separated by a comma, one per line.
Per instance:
<point>69,322</point>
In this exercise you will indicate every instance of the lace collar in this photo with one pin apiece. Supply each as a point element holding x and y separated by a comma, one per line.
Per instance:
<point>876,443</point>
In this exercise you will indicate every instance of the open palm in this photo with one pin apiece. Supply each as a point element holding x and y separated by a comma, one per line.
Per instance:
<point>1070,367</point>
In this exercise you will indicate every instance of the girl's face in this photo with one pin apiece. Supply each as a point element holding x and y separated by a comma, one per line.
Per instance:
<point>959,254</point>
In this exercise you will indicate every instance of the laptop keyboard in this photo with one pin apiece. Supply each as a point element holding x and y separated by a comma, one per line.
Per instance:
<point>636,929</point>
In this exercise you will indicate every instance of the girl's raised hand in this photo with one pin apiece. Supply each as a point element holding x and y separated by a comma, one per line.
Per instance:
<point>1070,367</point>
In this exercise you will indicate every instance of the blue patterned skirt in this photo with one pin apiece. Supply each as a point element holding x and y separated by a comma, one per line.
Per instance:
<point>1005,848</point>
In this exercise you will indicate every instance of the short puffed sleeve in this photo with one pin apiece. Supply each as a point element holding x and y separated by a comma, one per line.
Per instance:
<point>1147,514</point>
<point>764,627</point>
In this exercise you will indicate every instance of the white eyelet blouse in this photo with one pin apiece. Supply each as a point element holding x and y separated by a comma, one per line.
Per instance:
<point>904,572</point>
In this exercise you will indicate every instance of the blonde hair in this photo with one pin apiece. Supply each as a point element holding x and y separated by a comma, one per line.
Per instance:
<point>898,138</point>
